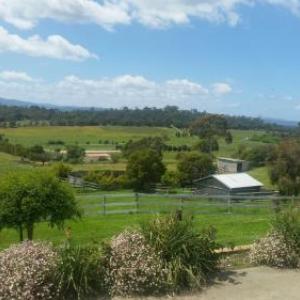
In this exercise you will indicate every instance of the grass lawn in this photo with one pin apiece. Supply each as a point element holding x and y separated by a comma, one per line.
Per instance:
<point>262,174</point>
<point>10,162</point>
<point>240,226</point>
<point>231,229</point>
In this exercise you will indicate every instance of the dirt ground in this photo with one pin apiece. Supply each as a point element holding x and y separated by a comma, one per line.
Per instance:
<point>250,284</point>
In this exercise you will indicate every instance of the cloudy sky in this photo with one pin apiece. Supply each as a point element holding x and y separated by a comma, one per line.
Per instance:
<point>225,56</point>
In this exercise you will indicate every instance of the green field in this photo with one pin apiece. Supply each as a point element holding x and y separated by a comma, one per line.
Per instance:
<point>89,137</point>
<point>239,225</point>
<point>10,162</point>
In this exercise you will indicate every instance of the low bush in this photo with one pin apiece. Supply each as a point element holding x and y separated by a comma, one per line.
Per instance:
<point>273,251</point>
<point>27,272</point>
<point>133,267</point>
<point>189,254</point>
<point>287,223</point>
<point>80,272</point>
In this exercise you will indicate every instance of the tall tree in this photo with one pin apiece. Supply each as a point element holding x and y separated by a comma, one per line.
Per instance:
<point>285,167</point>
<point>209,127</point>
<point>30,197</point>
<point>75,153</point>
<point>154,143</point>
<point>192,166</point>
<point>144,168</point>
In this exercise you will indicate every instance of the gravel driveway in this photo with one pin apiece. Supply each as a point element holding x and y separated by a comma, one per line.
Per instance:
<point>250,284</point>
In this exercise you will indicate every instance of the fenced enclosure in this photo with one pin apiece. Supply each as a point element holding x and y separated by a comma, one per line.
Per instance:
<point>238,220</point>
<point>137,203</point>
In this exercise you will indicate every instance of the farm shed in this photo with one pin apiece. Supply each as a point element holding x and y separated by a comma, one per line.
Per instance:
<point>228,184</point>
<point>231,165</point>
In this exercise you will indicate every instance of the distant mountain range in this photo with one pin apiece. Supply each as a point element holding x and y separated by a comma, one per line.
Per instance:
<point>13,102</point>
<point>281,122</point>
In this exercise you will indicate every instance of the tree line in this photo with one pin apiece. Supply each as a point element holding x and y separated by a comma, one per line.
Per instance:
<point>11,116</point>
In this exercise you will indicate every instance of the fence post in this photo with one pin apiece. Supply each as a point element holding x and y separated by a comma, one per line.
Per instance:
<point>229,204</point>
<point>137,202</point>
<point>104,205</point>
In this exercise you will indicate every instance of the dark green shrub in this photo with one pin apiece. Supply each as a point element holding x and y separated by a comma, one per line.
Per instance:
<point>189,254</point>
<point>80,272</point>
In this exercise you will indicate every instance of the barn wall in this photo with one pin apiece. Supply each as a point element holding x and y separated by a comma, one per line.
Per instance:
<point>227,166</point>
<point>211,186</point>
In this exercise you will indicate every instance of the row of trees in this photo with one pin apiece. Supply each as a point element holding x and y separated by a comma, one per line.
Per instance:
<point>166,117</point>
<point>145,165</point>
<point>74,153</point>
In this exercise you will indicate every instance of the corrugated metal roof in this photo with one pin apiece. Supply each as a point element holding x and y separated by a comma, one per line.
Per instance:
<point>230,159</point>
<point>238,180</point>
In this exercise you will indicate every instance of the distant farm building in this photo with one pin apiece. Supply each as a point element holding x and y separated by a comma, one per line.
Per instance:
<point>231,165</point>
<point>91,156</point>
<point>99,155</point>
<point>228,184</point>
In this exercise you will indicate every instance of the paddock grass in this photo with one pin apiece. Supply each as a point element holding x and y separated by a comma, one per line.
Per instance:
<point>90,136</point>
<point>262,174</point>
<point>10,163</point>
<point>239,226</point>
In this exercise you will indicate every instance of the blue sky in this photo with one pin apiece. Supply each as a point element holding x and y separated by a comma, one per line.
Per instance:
<point>224,56</point>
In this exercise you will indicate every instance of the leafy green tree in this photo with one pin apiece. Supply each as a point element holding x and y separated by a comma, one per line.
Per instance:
<point>170,178</point>
<point>258,155</point>
<point>228,137</point>
<point>61,170</point>
<point>209,127</point>
<point>75,153</point>
<point>30,197</point>
<point>154,143</point>
<point>145,168</point>
<point>38,153</point>
<point>285,168</point>
<point>206,146</point>
<point>193,165</point>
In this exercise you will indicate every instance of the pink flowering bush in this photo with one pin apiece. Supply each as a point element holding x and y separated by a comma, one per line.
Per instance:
<point>273,251</point>
<point>133,267</point>
<point>27,271</point>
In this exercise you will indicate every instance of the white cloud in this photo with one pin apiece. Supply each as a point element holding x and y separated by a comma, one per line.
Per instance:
<point>125,90</point>
<point>55,46</point>
<point>15,76</point>
<point>26,14</point>
<point>109,13</point>
<point>221,88</point>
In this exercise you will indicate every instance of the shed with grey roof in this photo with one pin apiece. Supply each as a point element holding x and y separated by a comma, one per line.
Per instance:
<point>228,184</point>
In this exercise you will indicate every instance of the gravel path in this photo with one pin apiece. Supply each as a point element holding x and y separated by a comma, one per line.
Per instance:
<point>250,284</point>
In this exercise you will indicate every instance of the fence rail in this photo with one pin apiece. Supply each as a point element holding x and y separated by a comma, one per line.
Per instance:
<point>193,204</point>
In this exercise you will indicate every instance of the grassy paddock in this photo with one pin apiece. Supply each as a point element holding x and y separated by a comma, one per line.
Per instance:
<point>238,226</point>
<point>88,137</point>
